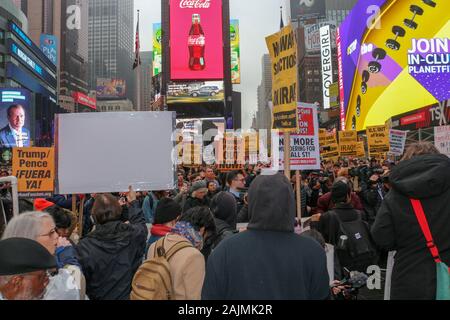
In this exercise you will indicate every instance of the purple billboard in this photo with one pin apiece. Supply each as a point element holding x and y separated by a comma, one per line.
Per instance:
<point>429,64</point>
<point>351,33</point>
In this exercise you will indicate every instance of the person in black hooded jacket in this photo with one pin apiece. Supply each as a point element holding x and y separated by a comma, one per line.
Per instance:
<point>112,253</point>
<point>224,209</point>
<point>268,261</point>
<point>423,175</point>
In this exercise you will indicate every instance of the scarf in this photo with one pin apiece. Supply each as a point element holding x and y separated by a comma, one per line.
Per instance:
<point>186,230</point>
<point>160,230</point>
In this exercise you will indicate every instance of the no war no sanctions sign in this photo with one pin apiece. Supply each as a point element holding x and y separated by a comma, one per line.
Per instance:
<point>35,171</point>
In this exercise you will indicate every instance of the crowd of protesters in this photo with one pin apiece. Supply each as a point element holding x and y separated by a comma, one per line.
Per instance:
<point>361,207</point>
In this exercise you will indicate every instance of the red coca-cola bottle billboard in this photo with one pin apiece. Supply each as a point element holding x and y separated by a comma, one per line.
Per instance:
<point>196,43</point>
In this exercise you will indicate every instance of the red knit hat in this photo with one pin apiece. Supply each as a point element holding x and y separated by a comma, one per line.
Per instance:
<point>42,204</point>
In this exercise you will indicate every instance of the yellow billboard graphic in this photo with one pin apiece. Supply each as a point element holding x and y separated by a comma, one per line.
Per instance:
<point>384,84</point>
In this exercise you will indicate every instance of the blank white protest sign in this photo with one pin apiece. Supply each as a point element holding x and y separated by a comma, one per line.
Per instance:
<point>107,152</point>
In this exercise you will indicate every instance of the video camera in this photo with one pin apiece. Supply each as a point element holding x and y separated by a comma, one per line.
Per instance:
<point>353,282</point>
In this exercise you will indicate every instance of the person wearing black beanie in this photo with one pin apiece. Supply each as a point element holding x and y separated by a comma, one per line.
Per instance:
<point>166,216</point>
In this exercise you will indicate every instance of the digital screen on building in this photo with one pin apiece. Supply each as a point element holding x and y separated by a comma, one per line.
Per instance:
<point>196,40</point>
<point>15,118</point>
<point>394,58</point>
<point>305,9</point>
<point>111,89</point>
<point>31,63</point>
<point>195,92</point>
<point>20,34</point>
<point>235,52</point>
<point>157,49</point>
<point>49,46</point>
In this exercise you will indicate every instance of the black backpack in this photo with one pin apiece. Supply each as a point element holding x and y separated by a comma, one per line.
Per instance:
<point>359,251</point>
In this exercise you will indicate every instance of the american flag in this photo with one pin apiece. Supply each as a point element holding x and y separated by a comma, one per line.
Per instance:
<point>137,60</point>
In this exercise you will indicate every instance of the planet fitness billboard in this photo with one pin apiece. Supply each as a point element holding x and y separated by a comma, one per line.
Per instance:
<point>196,40</point>
<point>382,54</point>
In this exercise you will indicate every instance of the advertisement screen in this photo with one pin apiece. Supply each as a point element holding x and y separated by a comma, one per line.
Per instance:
<point>312,36</point>
<point>111,88</point>
<point>390,49</point>
<point>235,52</point>
<point>15,118</point>
<point>196,40</point>
<point>49,45</point>
<point>195,92</point>
<point>305,9</point>
<point>157,49</point>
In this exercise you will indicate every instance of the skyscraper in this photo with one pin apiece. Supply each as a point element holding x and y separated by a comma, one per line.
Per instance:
<point>146,80</point>
<point>111,42</point>
<point>264,114</point>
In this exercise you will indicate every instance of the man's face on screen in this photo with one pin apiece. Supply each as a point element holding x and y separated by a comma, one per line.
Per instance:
<point>17,118</point>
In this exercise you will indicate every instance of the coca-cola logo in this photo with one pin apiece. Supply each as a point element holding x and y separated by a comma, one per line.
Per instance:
<point>195,4</point>
<point>196,41</point>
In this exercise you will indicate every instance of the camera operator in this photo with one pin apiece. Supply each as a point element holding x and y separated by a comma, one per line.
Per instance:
<point>373,193</point>
<point>319,184</point>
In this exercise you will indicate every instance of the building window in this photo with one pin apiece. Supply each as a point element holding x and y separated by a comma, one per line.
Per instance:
<point>117,108</point>
<point>110,108</point>
<point>2,61</point>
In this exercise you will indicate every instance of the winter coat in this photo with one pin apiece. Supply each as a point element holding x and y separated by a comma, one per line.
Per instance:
<point>269,261</point>
<point>330,227</point>
<point>187,268</point>
<point>425,178</point>
<point>325,204</point>
<point>111,255</point>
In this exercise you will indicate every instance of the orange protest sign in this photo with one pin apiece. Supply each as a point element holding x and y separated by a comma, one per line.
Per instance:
<point>35,171</point>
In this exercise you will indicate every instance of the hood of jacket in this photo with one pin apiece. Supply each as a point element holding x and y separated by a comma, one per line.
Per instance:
<point>112,236</point>
<point>224,207</point>
<point>271,204</point>
<point>422,177</point>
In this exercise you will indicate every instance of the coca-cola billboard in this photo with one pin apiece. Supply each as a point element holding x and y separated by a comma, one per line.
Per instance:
<point>196,40</point>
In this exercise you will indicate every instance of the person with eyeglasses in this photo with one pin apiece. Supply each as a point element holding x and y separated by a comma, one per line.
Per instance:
<point>40,227</point>
<point>24,276</point>
<point>236,183</point>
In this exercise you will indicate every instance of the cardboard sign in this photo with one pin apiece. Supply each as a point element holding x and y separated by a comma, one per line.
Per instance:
<point>330,152</point>
<point>326,138</point>
<point>35,171</point>
<point>347,143</point>
<point>378,139</point>
<point>283,53</point>
<point>442,139</point>
<point>305,151</point>
<point>397,140</point>
<point>360,150</point>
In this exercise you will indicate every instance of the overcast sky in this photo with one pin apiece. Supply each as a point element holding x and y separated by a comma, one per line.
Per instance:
<point>258,19</point>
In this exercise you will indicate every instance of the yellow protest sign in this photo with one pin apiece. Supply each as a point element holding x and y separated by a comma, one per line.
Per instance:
<point>347,143</point>
<point>326,138</point>
<point>330,152</point>
<point>360,150</point>
<point>378,139</point>
<point>35,171</point>
<point>283,52</point>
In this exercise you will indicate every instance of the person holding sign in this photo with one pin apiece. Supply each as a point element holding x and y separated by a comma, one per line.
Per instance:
<point>14,134</point>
